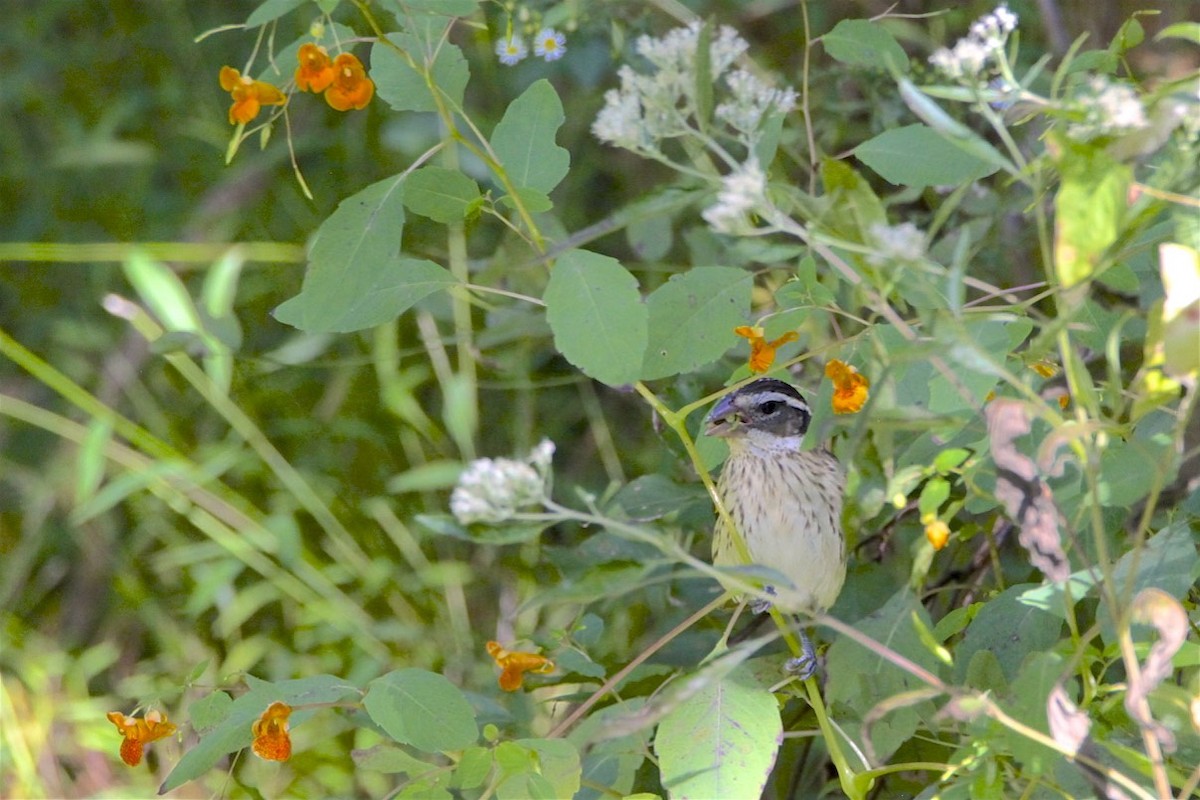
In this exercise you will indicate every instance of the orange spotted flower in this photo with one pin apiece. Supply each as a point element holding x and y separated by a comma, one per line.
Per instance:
<point>849,387</point>
<point>316,71</point>
<point>271,739</point>
<point>351,88</point>
<point>139,732</point>
<point>249,95</point>
<point>516,664</point>
<point>762,352</point>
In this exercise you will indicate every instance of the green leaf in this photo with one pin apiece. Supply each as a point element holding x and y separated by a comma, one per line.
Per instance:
<point>859,679</point>
<point>443,195</point>
<point>355,277</point>
<point>1088,208</point>
<point>272,9</point>
<point>473,768</point>
<point>403,86</point>
<point>391,760</point>
<point>1010,629</point>
<point>1188,31</point>
<point>234,732</point>
<point>557,762</point>
<point>862,43</point>
<point>597,316</point>
<point>917,155</point>
<point>449,8</point>
<point>422,709</point>
<point>692,317</point>
<point>653,496</point>
<point>163,292</point>
<point>209,711</point>
<point>398,285</point>
<point>524,139</point>
<point>721,741</point>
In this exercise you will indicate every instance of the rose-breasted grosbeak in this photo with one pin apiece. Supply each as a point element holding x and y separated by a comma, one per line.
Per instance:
<point>786,502</point>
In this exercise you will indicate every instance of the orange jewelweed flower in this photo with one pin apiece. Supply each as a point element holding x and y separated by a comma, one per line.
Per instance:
<point>249,95</point>
<point>762,352</point>
<point>139,732</point>
<point>849,387</point>
<point>271,739</point>
<point>316,71</point>
<point>351,88</point>
<point>516,664</point>
<point>936,531</point>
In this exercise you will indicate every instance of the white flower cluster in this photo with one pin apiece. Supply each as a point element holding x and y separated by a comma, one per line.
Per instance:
<point>492,490</point>
<point>1109,109</point>
<point>660,104</point>
<point>751,100</point>
<point>903,242</point>
<point>968,57</point>
<point>742,190</point>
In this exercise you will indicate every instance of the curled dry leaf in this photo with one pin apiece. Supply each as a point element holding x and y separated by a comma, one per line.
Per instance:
<point>1025,496</point>
<point>1068,725</point>
<point>1156,607</point>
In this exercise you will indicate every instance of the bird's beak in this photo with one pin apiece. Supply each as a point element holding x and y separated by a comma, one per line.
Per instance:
<point>723,420</point>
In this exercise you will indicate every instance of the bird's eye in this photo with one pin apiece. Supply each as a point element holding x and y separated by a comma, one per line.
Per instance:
<point>769,407</point>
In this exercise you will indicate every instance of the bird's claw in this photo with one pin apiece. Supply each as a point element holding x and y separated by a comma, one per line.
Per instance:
<point>762,605</point>
<point>804,665</point>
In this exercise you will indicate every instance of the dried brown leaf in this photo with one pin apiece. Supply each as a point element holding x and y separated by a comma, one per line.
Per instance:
<point>1156,607</point>
<point>1025,496</point>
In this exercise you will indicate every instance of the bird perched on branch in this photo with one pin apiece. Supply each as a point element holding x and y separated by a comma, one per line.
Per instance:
<point>786,502</point>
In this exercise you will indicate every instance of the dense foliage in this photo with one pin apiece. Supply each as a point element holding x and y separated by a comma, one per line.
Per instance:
<point>355,355</point>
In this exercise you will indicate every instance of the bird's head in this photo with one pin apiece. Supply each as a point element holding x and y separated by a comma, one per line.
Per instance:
<point>765,413</point>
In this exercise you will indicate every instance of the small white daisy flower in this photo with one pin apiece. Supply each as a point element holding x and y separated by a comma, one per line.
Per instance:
<point>511,49</point>
<point>550,44</point>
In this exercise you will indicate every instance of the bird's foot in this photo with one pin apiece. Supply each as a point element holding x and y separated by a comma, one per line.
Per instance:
<point>804,665</point>
<point>762,605</point>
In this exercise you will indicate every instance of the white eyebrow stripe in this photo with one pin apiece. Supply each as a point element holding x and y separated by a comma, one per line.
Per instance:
<point>780,397</point>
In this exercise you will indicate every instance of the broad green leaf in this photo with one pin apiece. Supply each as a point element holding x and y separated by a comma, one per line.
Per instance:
<point>524,139</point>
<point>1026,701</point>
<point>653,496</point>
<point>355,278</point>
<point>862,43</point>
<point>720,742</point>
<point>443,195</point>
<point>422,709</point>
<point>860,679</point>
<point>473,768</point>
<point>917,155</point>
<point>391,760</point>
<point>234,732</point>
<point>449,8</point>
<point>557,763</point>
<point>404,87</point>
<point>1010,629</point>
<point>272,9</point>
<point>692,317</point>
<point>398,285</point>
<point>1087,209</point>
<point>209,711</point>
<point>597,316</point>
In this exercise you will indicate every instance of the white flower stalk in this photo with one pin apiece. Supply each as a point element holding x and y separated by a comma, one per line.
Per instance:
<point>971,54</point>
<point>742,191</point>
<point>493,490</point>
<point>1109,109</point>
<point>903,242</point>
<point>661,103</point>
